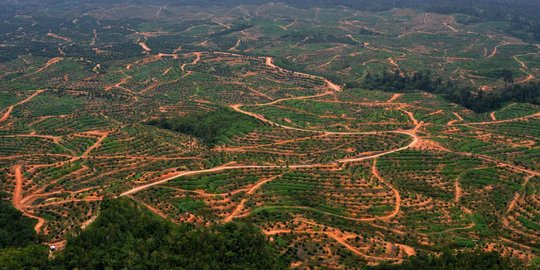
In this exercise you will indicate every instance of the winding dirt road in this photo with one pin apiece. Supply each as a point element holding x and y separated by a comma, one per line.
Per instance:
<point>375,172</point>
<point>10,108</point>
<point>215,169</point>
<point>194,62</point>
<point>502,121</point>
<point>237,108</point>
<point>17,197</point>
<point>331,85</point>
<point>251,191</point>
<point>341,238</point>
<point>494,52</point>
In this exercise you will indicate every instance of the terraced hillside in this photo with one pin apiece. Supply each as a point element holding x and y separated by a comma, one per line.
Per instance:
<point>257,114</point>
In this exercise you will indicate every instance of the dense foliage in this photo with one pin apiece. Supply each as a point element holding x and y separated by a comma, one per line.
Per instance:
<point>471,98</point>
<point>521,16</point>
<point>30,257</point>
<point>127,236</point>
<point>16,230</point>
<point>210,127</point>
<point>470,260</point>
<point>18,248</point>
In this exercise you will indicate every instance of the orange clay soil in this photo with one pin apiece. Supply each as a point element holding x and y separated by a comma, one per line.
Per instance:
<point>394,97</point>
<point>10,108</point>
<point>17,195</point>
<point>251,191</point>
<point>503,121</point>
<point>238,211</point>
<point>237,107</point>
<point>375,172</point>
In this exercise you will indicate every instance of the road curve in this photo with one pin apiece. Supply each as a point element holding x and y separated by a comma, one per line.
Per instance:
<point>218,169</point>
<point>237,108</point>
<point>10,108</point>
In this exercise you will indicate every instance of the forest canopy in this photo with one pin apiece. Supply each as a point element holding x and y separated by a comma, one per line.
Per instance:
<point>449,260</point>
<point>210,127</point>
<point>522,16</point>
<point>16,230</point>
<point>128,236</point>
<point>469,97</point>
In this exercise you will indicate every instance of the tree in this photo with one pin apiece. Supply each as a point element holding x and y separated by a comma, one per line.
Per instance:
<point>452,260</point>
<point>16,230</point>
<point>507,76</point>
<point>126,235</point>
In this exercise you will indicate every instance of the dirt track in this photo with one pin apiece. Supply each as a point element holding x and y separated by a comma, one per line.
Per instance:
<point>447,24</point>
<point>237,107</point>
<point>517,195</point>
<point>286,27</point>
<point>331,85</point>
<point>375,172</point>
<point>194,62</point>
<point>492,116</point>
<point>236,45</point>
<point>215,169</point>
<point>237,212</point>
<point>102,137</point>
<point>17,197</point>
<point>145,47</point>
<point>503,121</point>
<point>494,52</point>
<point>251,191</point>
<point>10,108</point>
<point>341,238</point>
<point>18,187</point>
<point>394,97</point>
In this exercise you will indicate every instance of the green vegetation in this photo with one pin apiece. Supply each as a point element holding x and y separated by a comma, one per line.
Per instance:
<point>18,240</point>
<point>96,104</point>
<point>16,230</point>
<point>213,127</point>
<point>126,235</point>
<point>474,99</point>
<point>190,205</point>
<point>29,257</point>
<point>448,260</point>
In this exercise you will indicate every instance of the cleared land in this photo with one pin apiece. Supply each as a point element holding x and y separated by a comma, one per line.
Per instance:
<point>330,173</point>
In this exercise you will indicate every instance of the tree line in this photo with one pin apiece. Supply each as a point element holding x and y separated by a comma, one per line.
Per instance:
<point>209,127</point>
<point>16,230</point>
<point>521,16</point>
<point>128,236</point>
<point>454,260</point>
<point>469,97</point>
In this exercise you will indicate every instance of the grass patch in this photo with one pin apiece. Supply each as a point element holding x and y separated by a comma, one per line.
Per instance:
<point>190,205</point>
